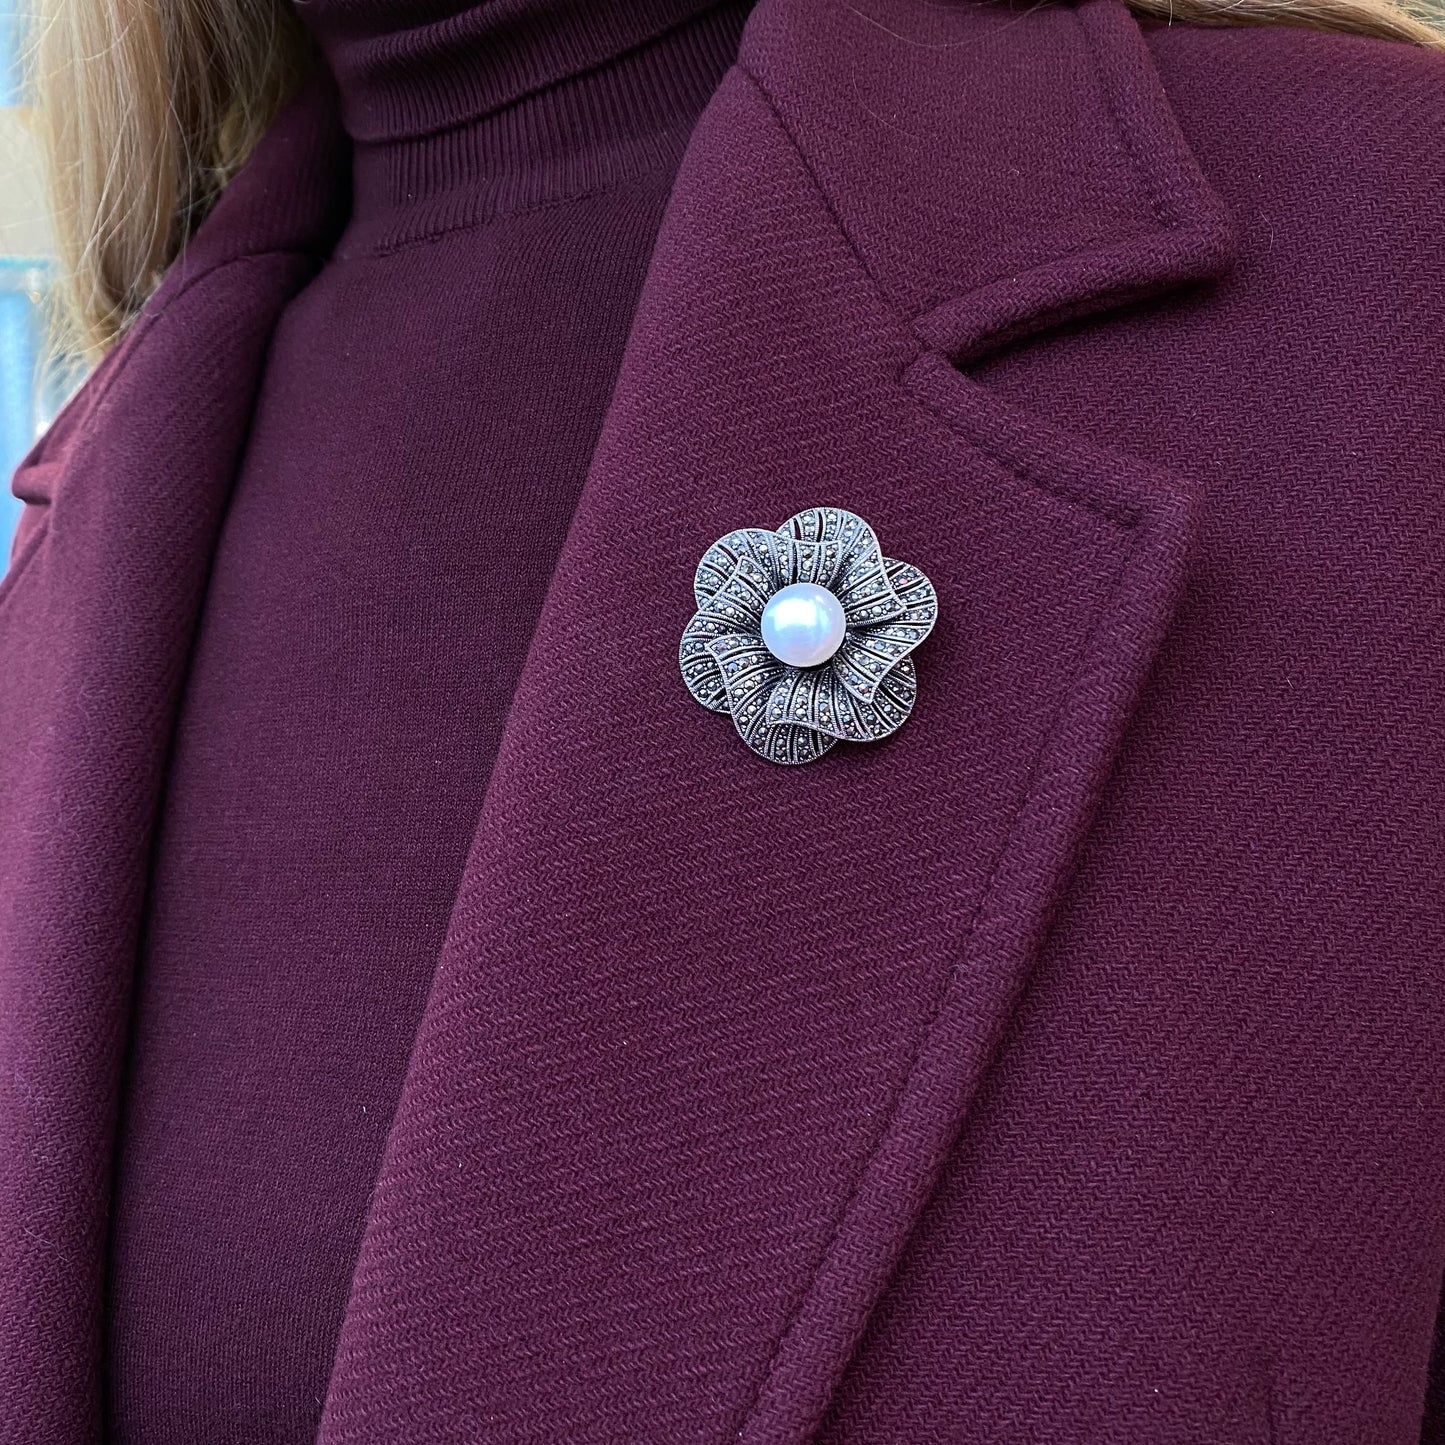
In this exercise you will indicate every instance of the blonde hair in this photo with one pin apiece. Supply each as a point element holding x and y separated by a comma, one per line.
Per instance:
<point>144,110</point>
<point>147,107</point>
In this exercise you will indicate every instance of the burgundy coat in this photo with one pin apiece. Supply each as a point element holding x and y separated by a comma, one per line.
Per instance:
<point>1066,1068</point>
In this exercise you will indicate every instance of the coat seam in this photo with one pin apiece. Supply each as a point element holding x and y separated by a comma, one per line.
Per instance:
<point>1163,212</point>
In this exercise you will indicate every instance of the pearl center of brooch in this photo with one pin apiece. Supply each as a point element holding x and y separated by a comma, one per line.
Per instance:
<point>803,625</point>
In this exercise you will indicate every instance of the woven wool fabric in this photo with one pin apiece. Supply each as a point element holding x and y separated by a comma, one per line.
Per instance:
<point>1064,1068</point>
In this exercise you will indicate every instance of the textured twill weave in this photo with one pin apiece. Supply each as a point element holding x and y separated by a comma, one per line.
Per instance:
<point>1064,1068</point>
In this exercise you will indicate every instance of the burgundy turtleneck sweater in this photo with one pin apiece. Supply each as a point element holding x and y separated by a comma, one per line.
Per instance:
<point>376,585</point>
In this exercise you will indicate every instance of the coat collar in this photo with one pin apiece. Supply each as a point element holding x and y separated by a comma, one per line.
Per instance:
<point>703,1029</point>
<point>125,496</point>
<point>996,168</point>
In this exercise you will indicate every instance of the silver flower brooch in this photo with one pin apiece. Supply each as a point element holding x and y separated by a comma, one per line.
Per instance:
<point>802,635</point>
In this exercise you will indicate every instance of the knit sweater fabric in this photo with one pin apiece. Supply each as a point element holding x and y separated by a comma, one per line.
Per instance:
<point>376,586</point>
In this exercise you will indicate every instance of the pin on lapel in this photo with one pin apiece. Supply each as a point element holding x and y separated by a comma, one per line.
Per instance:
<point>802,635</point>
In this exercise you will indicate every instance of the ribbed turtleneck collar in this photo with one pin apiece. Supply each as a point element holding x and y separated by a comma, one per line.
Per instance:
<point>408,68</point>
<point>461,113</point>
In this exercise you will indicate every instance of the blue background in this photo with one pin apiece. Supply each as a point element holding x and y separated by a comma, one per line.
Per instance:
<point>26,401</point>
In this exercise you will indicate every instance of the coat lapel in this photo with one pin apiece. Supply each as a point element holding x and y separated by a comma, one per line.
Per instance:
<point>705,1027</point>
<point>124,495</point>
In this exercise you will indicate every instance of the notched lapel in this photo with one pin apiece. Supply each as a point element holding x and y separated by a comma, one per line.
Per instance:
<point>704,1027</point>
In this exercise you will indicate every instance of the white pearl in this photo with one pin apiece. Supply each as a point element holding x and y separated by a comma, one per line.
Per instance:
<point>803,625</point>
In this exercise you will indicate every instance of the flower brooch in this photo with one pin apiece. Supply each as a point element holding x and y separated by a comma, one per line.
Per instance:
<point>802,635</point>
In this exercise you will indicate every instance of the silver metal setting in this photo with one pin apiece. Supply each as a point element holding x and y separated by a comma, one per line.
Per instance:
<point>864,692</point>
